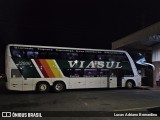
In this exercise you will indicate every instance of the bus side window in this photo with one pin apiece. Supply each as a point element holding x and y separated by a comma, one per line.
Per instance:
<point>69,56</point>
<point>104,72</point>
<point>42,55</point>
<point>87,56</point>
<point>120,57</point>
<point>73,72</point>
<point>127,69</point>
<point>76,72</point>
<point>32,54</point>
<point>53,55</point>
<point>66,72</point>
<point>15,73</point>
<point>101,57</point>
<point>17,53</point>
<point>90,73</point>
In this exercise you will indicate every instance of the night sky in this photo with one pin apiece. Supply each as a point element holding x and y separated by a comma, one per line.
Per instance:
<point>73,23</point>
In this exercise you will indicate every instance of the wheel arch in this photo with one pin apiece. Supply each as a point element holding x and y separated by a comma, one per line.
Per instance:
<point>130,80</point>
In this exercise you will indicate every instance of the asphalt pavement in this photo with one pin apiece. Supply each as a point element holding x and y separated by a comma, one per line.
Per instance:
<point>81,104</point>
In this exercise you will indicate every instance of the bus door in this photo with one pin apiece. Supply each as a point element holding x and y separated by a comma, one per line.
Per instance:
<point>112,79</point>
<point>16,79</point>
<point>104,76</point>
<point>119,75</point>
<point>107,79</point>
<point>112,82</point>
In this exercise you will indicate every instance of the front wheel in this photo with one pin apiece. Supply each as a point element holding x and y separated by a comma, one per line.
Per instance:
<point>129,84</point>
<point>59,86</point>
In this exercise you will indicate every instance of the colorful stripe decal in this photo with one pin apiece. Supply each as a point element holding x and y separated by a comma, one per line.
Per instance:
<point>54,68</point>
<point>60,72</point>
<point>39,71</point>
<point>41,67</point>
<point>48,68</point>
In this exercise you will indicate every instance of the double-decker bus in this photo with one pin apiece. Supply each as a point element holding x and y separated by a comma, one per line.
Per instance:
<point>44,68</point>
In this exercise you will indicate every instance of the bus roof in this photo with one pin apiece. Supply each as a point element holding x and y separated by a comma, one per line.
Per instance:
<point>73,48</point>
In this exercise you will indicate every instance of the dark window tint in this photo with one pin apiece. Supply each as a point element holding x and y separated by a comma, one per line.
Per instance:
<point>90,72</point>
<point>66,72</point>
<point>104,72</point>
<point>69,56</point>
<point>119,57</point>
<point>102,57</point>
<point>54,55</point>
<point>18,53</point>
<point>32,54</point>
<point>86,56</point>
<point>15,73</point>
<point>48,55</point>
<point>76,73</point>
<point>73,72</point>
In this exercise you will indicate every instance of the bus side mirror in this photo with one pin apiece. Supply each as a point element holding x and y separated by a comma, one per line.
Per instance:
<point>143,62</point>
<point>148,64</point>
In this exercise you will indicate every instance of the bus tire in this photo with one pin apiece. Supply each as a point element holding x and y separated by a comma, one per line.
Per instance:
<point>42,87</point>
<point>59,86</point>
<point>130,84</point>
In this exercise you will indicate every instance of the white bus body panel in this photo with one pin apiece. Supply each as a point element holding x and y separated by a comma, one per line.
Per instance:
<point>104,82</point>
<point>93,82</point>
<point>75,83</point>
<point>15,84</point>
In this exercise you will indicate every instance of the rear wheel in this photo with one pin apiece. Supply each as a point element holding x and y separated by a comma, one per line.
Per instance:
<point>42,87</point>
<point>129,84</point>
<point>59,86</point>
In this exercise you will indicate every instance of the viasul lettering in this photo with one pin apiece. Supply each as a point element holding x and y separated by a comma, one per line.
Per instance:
<point>94,64</point>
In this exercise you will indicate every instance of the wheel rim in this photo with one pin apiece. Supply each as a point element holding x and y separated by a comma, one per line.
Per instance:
<point>43,87</point>
<point>129,85</point>
<point>59,87</point>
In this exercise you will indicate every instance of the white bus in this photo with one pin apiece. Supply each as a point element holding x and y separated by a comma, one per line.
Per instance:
<point>42,68</point>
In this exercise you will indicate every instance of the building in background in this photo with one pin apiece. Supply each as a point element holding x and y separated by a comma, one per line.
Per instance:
<point>146,43</point>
